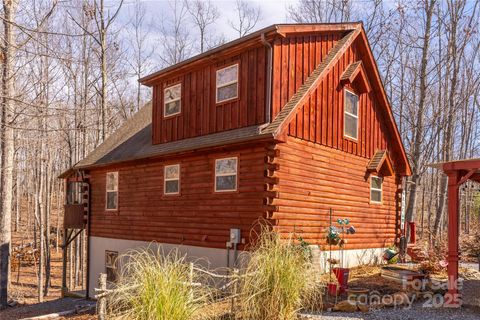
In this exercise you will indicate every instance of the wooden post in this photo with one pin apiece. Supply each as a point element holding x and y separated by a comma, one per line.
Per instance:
<point>190,276</point>
<point>236,279</point>
<point>102,301</point>
<point>64,263</point>
<point>452,297</point>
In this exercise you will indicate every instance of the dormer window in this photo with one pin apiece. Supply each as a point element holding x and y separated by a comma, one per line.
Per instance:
<point>227,83</point>
<point>350,128</point>
<point>172,100</point>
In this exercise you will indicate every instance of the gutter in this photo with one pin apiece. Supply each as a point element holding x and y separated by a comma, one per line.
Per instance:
<point>268,101</point>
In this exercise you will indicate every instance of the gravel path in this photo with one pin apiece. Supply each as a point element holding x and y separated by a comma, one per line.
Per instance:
<point>417,312</point>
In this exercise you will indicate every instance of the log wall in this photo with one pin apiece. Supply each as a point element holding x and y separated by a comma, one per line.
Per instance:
<point>198,216</point>
<point>313,178</point>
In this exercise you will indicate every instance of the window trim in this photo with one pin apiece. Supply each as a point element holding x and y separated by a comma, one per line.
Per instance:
<point>170,179</point>
<point>376,189</point>
<point>225,175</point>
<point>345,112</point>
<point>237,64</point>
<point>177,99</point>
<point>107,191</point>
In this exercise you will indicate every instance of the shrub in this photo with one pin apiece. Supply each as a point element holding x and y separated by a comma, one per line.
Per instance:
<point>154,285</point>
<point>282,279</point>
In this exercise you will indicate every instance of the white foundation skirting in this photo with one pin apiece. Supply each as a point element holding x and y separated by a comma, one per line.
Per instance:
<point>211,257</point>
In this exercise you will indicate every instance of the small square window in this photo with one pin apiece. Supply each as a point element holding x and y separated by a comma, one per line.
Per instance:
<point>111,265</point>
<point>376,189</point>
<point>172,179</point>
<point>350,128</point>
<point>227,83</point>
<point>226,174</point>
<point>172,100</point>
<point>112,191</point>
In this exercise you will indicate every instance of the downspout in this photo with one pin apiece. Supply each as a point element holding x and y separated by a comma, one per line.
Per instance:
<point>268,100</point>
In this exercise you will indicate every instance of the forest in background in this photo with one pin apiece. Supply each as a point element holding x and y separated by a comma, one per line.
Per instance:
<point>69,71</point>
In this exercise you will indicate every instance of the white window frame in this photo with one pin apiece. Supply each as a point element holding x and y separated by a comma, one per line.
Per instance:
<point>165,115</point>
<point>225,84</point>
<point>345,112</point>
<point>107,191</point>
<point>171,179</point>
<point>226,174</point>
<point>376,189</point>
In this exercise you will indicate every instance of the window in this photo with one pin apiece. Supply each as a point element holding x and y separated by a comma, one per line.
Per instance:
<point>112,191</point>
<point>226,174</point>
<point>172,179</point>
<point>172,100</point>
<point>74,192</point>
<point>111,265</point>
<point>227,83</point>
<point>350,129</point>
<point>376,189</point>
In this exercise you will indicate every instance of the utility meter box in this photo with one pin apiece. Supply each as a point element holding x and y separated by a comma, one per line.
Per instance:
<point>235,236</point>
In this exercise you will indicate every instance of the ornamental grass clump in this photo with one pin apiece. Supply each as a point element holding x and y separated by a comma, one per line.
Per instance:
<point>156,286</point>
<point>279,279</point>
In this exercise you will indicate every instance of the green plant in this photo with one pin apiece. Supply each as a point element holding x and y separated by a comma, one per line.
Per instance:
<point>154,285</point>
<point>279,279</point>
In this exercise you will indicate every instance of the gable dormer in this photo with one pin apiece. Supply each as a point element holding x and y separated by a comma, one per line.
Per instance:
<point>240,84</point>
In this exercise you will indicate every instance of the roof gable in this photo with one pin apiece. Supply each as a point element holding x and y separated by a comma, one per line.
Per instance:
<point>355,70</point>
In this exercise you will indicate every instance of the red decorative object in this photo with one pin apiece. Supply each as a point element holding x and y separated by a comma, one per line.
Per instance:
<point>332,288</point>
<point>342,277</point>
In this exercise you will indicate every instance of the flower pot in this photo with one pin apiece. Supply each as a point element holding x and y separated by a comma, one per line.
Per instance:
<point>342,277</point>
<point>332,288</point>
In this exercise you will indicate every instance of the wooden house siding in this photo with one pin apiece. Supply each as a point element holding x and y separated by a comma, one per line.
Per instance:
<point>321,119</point>
<point>200,114</point>
<point>294,59</point>
<point>314,178</point>
<point>197,216</point>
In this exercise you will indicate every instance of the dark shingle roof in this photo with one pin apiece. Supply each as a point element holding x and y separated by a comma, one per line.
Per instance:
<point>350,70</point>
<point>140,145</point>
<point>376,160</point>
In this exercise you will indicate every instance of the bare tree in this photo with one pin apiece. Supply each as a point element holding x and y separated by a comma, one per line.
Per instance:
<point>7,144</point>
<point>315,11</point>
<point>175,37</point>
<point>204,14</point>
<point>248,16</point>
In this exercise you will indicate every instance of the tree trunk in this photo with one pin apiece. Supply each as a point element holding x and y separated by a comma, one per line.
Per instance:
<point>7,146</point>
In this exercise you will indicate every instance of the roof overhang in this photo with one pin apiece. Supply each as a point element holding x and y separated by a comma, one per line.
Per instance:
<point>355,72</point>
<point>470,168</point>
<point>381,164</point>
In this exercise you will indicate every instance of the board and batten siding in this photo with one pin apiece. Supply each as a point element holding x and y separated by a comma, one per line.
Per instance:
<point>321,118</point>
<point>200,114</point>
<point>197,216</point>
<point>314,178</point>
<point>294,59</point>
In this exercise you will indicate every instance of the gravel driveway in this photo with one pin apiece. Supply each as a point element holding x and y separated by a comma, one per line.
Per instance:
<point>417,312</point>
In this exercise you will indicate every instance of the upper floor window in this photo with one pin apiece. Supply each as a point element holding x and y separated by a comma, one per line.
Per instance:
<point>172,179</point>
<point>172,100</point>
<point>227,83</point>
<point>112,191</point>
<point>376,189</point>
<point>350,128</point>
<point>226,174</point>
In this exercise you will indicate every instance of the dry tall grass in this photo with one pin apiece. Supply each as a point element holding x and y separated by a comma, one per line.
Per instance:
<point>283,280</point>
<point>156,286</point>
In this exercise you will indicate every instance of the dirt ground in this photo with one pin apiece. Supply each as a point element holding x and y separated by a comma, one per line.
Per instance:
<point>23,290</point>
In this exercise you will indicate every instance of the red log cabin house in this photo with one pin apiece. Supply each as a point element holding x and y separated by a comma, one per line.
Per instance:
<point>283,124</point>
